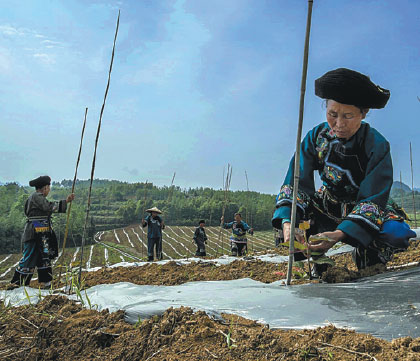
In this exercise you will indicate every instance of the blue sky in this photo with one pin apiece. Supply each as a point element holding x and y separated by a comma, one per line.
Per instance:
<point>196,84</point>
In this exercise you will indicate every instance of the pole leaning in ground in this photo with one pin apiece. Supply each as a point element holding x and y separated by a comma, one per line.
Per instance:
<point>247,206</point>
<point>142,213</point>
<point>96,146</point>
<point>226,186</point>
<point>412,188</point>
<point>72,190</point>
<point>298,140</point>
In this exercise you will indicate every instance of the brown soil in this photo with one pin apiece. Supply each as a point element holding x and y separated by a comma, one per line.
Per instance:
<point>172,273</point>
<point>57,328</point>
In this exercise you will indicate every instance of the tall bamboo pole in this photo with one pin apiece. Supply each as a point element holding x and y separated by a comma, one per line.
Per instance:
<point>96,146</point>
<point>412,188</point>
<point>298,139</point>
<point>401,188</point>
<point>142,213</point>
<point>226,186</point>
<point>171,189</point>
<point>72,191</point>
<point>247,201</point>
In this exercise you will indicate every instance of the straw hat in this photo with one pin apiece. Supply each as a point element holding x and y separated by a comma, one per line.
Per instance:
<point>154,209</point>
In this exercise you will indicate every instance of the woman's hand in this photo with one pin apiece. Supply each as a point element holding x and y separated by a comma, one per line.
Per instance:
<point>331,238</point>
<point>70,198</point>
<point>287,231</point>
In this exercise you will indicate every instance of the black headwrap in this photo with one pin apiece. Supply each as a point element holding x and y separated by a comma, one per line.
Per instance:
<point>351,87</point>
<point>202,221</point>
<point>40,182</point>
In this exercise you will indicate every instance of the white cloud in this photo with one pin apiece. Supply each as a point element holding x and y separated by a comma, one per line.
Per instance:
<point>51,43</point>
<point>10,30</point>
<point>44,58</point>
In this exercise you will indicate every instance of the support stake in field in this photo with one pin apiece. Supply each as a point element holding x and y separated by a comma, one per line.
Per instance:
<point>72,191</point>
<point>412,188</point>
<point>226,186</point>
<point>298,140</point>
<point>96,146</point>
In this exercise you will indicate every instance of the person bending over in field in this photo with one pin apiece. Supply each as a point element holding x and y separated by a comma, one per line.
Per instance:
<point>38,238</point>
<point>238,241</point>
<point>154,225</point>
<point>200,239</point>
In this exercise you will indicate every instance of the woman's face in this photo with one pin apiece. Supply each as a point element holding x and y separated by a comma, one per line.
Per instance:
<point>344,119</point>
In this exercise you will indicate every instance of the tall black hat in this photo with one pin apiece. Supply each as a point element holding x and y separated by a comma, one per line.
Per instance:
<point>40,182</point>
<point>351,87</point>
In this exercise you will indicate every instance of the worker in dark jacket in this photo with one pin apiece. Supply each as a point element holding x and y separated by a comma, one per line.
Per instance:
<point>38,238</point>
<point>200,239</point>
<point>354,162</point>
<point>238,241</point>
<point>154,225</point>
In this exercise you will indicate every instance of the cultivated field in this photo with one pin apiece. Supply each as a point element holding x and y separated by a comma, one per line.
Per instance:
<point>130,244</point>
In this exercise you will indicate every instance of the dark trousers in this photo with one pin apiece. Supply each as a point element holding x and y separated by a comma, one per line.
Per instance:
<point>35,254</point>
<point>238,249</point>
<point>152,244</point>
<point>201,248</point>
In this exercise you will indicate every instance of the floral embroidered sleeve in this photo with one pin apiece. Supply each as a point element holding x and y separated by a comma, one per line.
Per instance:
<point>365,220</point>
<point>308,164</point>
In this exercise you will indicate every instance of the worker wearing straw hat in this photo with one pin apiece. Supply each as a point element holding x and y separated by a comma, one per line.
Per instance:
<point>39,240</point>
<point>154,225</point>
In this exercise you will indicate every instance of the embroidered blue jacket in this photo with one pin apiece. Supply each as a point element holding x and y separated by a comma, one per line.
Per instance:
<point>239,229</point>
<point>357,172</point>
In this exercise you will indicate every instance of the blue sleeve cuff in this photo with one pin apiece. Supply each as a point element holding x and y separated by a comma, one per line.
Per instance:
<point>355,234</point>
<point>283,213</point>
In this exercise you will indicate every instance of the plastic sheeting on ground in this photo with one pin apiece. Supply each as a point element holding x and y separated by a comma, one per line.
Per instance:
<point>387,305</point>
<point>223,260</point>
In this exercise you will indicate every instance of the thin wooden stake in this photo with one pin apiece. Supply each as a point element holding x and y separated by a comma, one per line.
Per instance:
<point>72,191</point>
<point>412,187</point>
<point>96,146</point>
<point>402,198</point>
<point>142,213</point>
<point>246,218</point>
<point>226,186</point>
<point>298,139</point>
<point>171,190</point>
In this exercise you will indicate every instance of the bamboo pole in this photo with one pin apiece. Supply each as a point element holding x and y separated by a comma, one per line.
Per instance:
<point>171,189</point>
<point>72,191</point>
<point>247,201</point>
<point>298,139</point>
<point>401,188</point>
<point>142,214</point>
<point>96,146</point>
<point>412,188</point>
<point>226,186</point>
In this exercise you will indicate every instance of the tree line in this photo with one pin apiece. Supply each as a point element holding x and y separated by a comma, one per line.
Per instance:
<point>118,204</point>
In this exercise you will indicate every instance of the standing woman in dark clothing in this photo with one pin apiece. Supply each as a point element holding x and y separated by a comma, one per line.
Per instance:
<point>39,240</point>
<point>200,239</point>
<point>154,225</point>
<point>354,163</point>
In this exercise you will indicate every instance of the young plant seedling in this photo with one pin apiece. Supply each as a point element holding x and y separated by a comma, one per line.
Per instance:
<point>304,226</point>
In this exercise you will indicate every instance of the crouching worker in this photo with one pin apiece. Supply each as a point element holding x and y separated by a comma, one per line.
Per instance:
<point>238,241</point>
<point>200,239</point>
<point>154,225</point>
<point>354,162</point>
<point>39,240</point>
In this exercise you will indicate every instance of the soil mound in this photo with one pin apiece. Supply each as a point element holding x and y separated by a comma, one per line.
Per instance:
<point>58,328</point>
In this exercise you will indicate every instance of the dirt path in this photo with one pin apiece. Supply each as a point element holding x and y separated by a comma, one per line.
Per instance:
<point>57,328</point>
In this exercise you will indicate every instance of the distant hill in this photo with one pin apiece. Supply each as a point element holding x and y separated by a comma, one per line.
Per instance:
<point>397,185</point>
